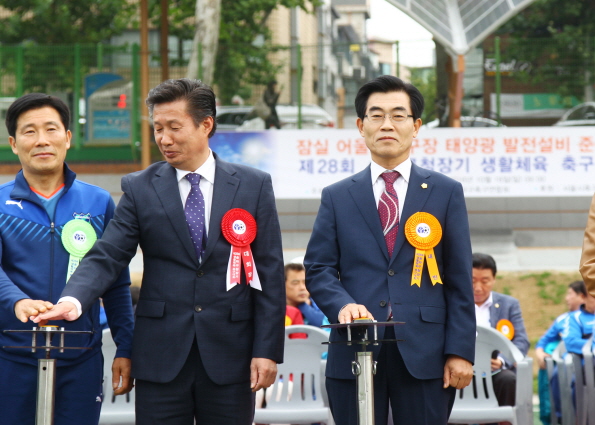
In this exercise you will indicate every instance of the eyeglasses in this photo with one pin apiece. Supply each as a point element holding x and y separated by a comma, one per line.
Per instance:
<point>394,118</point>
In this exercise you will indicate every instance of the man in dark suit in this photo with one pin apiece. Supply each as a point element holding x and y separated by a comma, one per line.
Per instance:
<point>360,264</point>
<point>501,312</point>
<point>201,345</point>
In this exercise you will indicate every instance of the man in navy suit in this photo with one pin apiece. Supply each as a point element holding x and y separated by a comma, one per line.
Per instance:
<point>501,312</point>
<point>350,273</point>
<point>201,346</point>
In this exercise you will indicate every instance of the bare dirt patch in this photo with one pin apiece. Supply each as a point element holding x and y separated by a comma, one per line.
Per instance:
<point>541,295</point>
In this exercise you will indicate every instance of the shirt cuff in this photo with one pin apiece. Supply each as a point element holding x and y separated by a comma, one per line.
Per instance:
<point>503,360</point>
<point>76,302</point>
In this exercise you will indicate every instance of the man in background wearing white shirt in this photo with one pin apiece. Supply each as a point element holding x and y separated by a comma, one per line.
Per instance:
<point>498,311</point>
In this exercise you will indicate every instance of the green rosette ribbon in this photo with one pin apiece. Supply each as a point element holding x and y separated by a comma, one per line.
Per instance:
<point>78,237</point>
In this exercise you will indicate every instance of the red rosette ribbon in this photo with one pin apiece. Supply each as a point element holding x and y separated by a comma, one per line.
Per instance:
<point>239,229</point>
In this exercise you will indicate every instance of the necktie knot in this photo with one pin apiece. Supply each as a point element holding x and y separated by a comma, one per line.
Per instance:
<point>390,176</point>
<point>193,178</point>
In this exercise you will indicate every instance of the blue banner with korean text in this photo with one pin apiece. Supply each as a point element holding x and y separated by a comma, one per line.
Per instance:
<point>489,162</point>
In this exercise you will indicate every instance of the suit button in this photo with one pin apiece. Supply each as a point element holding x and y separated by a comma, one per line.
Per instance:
<point>200,273</point>
<point>197,308</point>
<point>391,272</point>
<point>382,303</point>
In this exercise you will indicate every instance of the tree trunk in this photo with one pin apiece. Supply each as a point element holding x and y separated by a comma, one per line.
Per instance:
<point>207,17</point>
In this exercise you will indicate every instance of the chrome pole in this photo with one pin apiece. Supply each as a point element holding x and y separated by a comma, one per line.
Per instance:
<point>363,368</point>
<point>46,381</point>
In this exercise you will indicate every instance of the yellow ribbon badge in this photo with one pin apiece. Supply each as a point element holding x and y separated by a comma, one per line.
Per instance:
<point>506,328</point>
<point>424,231</point>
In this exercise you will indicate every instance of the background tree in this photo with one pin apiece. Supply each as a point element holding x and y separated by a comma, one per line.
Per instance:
<point>425,80</point>
<point>181,15</point>
<point>207,18</point>
<point>244,43</point>
<point>61,23</point>
<point>559,40</point>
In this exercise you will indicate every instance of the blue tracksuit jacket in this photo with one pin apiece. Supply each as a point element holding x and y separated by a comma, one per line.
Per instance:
<point>34,265</point>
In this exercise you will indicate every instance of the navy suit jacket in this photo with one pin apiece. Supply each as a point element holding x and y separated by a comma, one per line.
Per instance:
<point>180,299</point>
<point>347,262</point>
<point>507,307</point>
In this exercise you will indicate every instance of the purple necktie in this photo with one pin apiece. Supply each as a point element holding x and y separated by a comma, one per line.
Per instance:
<point>195,213</point>
<point>388,209</point>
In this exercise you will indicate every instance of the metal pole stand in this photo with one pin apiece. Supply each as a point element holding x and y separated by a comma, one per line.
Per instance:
<point>363,367</point>
<point>46,372</point>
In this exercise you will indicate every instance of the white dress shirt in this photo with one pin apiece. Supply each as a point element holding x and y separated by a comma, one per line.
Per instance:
<point>207,180</point>
<point>482,317</point>
<point>400,185</point>
<point>482,312</point>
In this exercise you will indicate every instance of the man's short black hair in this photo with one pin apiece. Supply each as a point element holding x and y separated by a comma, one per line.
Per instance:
<point>296,267</point>
<point>199,97</point>
<point>35,101</point>
<point>387,84</point>
<point>579,287</point>
<point>483,262</point>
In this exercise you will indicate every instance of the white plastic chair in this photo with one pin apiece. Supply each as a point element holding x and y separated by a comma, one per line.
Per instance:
<point>115,410</point>
<point>302,402</point>
<point>565,366</point>
<point>477,403</point>
<point>589,381</point>
<point>584,385</point>
<point>580,390</point>
<point>551,363</point>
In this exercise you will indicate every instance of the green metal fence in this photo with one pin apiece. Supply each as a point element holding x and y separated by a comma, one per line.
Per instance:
<point>106,124</point>
<point>63,70</point>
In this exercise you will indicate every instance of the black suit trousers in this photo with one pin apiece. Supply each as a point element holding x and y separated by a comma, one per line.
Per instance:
<point>193,396</point>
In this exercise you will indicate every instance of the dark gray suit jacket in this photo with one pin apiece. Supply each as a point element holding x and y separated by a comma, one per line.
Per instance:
<point>181,300</point>
<point>507,307</point>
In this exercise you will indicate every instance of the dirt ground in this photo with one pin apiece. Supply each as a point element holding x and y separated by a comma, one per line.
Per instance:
<point>541,296</point>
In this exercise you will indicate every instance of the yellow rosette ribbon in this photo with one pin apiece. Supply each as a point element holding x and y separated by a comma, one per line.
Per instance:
<point>506,328</point>
<point>424,232</point>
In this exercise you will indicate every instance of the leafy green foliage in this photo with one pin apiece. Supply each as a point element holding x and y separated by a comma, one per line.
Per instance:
<point>425,80</point>
<point>180,16</point>
<point>63,21</point>
<point>35,24</point>
<point>558,39</point>
<point>242,62</point>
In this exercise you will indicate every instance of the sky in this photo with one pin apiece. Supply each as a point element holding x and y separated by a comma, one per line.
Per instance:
<point>416,48</point>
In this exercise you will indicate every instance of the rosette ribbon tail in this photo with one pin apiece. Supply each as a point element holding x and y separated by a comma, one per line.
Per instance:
<point>234,269</point>
<point>242,256</point>
<point>433,267</point>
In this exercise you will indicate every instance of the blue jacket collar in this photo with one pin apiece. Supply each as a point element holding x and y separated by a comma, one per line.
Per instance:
<point>22,190</point>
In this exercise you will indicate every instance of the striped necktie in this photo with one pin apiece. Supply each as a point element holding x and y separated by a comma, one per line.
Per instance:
<point>388,209</point>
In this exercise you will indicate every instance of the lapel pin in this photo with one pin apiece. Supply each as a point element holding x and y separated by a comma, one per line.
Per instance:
<point>424,185</point>
<point>497,305</point>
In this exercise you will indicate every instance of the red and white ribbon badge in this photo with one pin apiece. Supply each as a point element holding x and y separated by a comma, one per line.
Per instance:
<point>239,228</point>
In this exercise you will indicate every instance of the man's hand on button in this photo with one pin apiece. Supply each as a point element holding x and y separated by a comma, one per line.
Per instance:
<point>353,311</point>
<point>26,308</point>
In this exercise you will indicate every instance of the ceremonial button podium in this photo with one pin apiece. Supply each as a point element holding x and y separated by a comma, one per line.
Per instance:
<point>46,373</point>
<point>364,366</point>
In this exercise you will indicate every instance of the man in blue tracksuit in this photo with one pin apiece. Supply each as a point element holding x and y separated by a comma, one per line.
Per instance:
<point>575,297</point>
<point>580,326</point>
<point>48,220</point>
